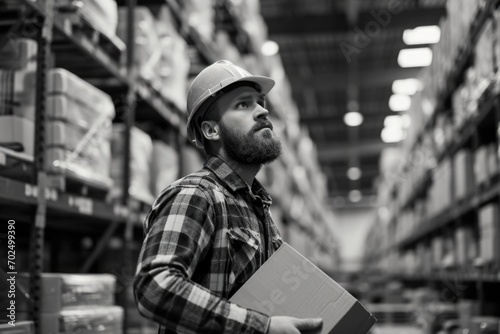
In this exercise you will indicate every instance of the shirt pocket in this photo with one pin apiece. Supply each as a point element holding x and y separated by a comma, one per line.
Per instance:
<point>244,249</point>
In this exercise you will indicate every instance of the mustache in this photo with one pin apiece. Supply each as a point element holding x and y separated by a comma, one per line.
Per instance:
<point>262,125</point>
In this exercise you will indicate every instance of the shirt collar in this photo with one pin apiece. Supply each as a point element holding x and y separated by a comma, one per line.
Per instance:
<point>224,172</point>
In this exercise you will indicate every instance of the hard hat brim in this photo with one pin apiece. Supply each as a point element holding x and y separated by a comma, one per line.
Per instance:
<point>265,83</point>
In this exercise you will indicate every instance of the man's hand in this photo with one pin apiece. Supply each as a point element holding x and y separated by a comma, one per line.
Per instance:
<point>290,325</point>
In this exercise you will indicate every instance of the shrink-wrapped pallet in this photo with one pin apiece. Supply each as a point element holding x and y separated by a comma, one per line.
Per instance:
<point>18,78</point>
<point>79,128</point>
<point>141,155</point>
<point>101,14</point>
<point>18,134</point>
<point>147,45</point>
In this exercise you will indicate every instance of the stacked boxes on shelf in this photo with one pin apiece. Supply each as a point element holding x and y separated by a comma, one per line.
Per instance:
<point>141,156</point>
<point>440,196</point>
<point>199,15</point>
<point>78,128</point>
<point>463,237</point>
<point>455,29</point>
<point>485,163</point>
<point>248,13</point>
<point>174,64</point>
<point>458,176</point>
<point>484,63</point>
<point>83,303</point>
<point>489,233</point>
<point>463,178</point>
<point>161,56</point>
<point>153,164</point>
<point>496,51</point>
<point>146,44</point>
<point>101,14</point>
<point>17,95</point>
<point>113,261</point>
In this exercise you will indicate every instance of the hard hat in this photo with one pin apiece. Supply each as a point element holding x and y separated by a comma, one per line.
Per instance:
<point>211,81</point>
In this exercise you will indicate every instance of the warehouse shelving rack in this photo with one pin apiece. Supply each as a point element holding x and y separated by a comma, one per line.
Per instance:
<point>482,280</point>
<point>481,195</point>
<point>30,194</point>
<point>40,200</point>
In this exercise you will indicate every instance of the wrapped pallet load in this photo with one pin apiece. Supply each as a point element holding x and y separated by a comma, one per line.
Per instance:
<point>141,155</point>
<point>148,49</point>
<point>248,12</point>
<point>200,15</point>
<point>73,303</point>
<point>174,63</point>
<point>17,95</point>
<point>101,14</point>
<point>79,128</point>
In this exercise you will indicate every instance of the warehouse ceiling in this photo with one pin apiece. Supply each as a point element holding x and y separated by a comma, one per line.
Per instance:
<point>329,64</point>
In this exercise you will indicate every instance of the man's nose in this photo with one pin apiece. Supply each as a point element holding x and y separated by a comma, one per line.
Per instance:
<point>261,112</point>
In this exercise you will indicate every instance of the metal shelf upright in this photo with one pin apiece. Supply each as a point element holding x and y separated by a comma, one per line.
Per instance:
<point>44,39</point>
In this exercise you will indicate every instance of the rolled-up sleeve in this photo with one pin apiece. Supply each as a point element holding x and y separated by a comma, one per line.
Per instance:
<point>180,229</point>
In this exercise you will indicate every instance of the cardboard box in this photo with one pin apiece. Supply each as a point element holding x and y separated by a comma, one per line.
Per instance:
<point>289,284</point>
<point>18,54</point>
<point>481,165</point>
<point>18,134</point>
<point>437,252</point>
<point>461,246</point>
<point>464,174</point>
<point>63,82</point>
<point>493,160</point>
<point>489,231</point>
<point>50,324</point>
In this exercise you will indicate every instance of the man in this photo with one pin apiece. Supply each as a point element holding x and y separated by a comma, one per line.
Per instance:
<point>208,232</point>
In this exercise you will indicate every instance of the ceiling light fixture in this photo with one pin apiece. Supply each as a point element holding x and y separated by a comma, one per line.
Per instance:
<point>393,121</point>
<point>353,118</point>
<point>354,173</point>
<point>417,57</point>
<point>406,86</point>
<point>392,135</point>
<point>422,35</point>
<point>399,102</point>
<point>270,48</point>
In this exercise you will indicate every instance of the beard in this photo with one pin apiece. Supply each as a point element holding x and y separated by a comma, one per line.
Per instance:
<point>248,148</point>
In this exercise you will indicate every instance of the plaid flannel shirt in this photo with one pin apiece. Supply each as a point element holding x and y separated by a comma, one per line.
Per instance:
<point>205,235</point>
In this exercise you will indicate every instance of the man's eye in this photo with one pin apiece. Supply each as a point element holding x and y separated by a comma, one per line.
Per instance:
<point>242,105</point>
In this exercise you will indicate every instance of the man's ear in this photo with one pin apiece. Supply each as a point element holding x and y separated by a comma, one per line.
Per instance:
<point>210,130</point>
